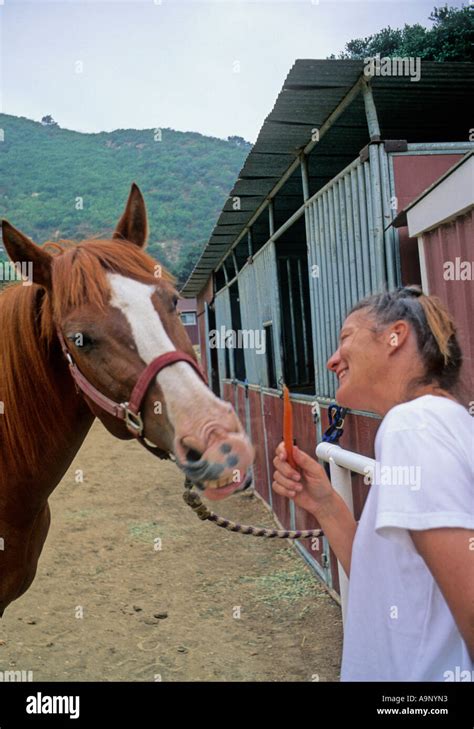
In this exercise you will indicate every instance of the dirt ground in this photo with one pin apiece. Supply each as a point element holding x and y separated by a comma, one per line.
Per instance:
<point>132,586</point>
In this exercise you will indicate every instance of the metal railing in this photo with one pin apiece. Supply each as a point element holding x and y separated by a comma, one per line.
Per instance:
<point>341,464</point>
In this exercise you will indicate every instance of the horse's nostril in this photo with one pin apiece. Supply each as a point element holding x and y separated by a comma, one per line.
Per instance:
<point>193,455</point>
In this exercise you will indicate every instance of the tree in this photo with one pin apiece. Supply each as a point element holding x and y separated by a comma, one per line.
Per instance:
<point>239,141</point>
<point>48,121</point>
<point>450,39</point>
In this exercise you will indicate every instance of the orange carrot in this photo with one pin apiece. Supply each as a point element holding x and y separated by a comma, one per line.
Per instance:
<point>288,426</point>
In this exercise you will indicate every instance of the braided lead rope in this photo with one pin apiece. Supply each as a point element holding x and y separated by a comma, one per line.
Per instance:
<point>193,500</point>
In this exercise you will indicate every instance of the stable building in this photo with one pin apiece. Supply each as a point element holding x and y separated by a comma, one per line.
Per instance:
<point>307,231</point>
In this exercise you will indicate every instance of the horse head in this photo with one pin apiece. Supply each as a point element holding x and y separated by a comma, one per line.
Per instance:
<point>115,309</point>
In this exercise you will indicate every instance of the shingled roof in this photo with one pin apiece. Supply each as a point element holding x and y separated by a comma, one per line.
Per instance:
<point>433,109</point>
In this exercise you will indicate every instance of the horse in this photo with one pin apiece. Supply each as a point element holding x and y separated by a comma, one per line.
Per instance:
<point>97,330</point>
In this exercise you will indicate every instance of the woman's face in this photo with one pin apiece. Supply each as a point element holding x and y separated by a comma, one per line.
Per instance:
<point>360,362</point>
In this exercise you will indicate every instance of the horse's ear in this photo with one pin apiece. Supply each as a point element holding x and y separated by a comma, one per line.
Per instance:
<point>133,224</point>
<point>21,249</point>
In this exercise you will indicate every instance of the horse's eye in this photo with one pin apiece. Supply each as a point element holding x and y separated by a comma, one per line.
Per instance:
<point>175,301</point>
<point>81,340</point>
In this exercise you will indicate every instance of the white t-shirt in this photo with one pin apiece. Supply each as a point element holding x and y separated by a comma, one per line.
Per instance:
<point>398,625</point>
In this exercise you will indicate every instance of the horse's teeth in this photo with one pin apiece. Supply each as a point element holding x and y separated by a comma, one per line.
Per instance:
<point>219,483</point>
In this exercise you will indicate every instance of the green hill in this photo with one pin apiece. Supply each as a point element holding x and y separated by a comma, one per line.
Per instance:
<point>185,179</point>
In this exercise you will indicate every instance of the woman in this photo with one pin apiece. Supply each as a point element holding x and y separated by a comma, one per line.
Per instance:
<point>410,559</point>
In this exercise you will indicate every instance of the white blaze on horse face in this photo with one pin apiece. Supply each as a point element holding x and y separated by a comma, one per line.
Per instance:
<point>180,382</point>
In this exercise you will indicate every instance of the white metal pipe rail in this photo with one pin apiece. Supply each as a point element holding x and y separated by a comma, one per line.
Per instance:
<point>341,463</point>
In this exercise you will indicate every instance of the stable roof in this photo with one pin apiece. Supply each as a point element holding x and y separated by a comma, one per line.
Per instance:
<point>431,109</point>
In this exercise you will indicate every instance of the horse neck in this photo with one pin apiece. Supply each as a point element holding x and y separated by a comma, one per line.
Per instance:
<point>76,421</point>
<point>50,419</point>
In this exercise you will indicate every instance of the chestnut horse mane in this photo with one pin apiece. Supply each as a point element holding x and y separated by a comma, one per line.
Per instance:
<point>34,416</point>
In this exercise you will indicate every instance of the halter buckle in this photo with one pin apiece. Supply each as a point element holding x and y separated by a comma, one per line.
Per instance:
<point>133,421</point>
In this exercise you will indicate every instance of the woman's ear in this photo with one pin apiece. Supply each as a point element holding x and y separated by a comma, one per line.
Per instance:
<point>397,333</point>
<point>133,225</point>
<point>22,250</point>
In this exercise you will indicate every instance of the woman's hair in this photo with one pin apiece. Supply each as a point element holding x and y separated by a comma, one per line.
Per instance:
<point>433,326</point>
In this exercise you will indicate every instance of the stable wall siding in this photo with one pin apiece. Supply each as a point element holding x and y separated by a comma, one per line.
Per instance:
<point>251,319</point>
<point>447,243</point>
<point>203,298</point>
<point>192,331</point>
<point>223,319</point>
<point>204,345</point>
<point>412,174</point>
<point>259,303</point>
<point>350,248</point>
<point>305,434</point>
<point>273,414</point>
<point>261,469</point>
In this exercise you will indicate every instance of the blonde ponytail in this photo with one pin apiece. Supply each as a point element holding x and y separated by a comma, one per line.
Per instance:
<point>440,323</point>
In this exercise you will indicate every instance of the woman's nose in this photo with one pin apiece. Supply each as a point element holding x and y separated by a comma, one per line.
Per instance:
<point>333,360</point>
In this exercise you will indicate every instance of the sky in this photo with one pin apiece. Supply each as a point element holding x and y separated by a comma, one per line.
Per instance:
<point>210,67</point>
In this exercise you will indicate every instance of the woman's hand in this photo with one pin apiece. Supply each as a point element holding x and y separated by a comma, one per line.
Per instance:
<point>308,486</point>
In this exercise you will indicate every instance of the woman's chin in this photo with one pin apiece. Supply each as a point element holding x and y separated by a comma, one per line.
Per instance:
<point>343,396</point>
<point>347,398</point>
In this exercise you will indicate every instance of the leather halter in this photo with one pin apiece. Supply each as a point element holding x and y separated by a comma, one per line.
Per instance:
<point>129,411</point>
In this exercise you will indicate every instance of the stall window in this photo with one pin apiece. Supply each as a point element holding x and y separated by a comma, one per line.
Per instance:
<point>270,355</point>
<point>296,321</point>
<point>237,351</point>
<point>188,318</point>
